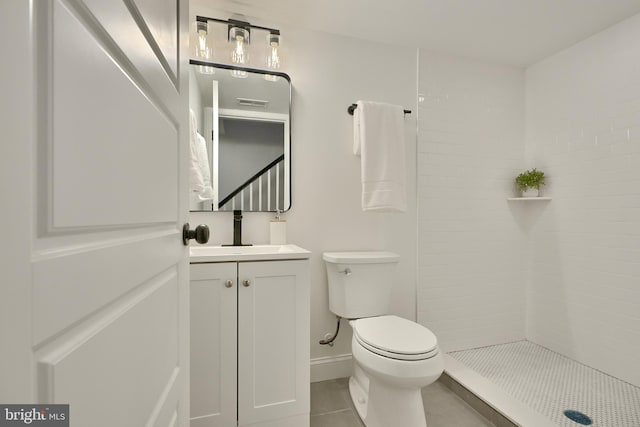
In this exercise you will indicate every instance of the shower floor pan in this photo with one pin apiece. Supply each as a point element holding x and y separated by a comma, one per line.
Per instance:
<point>533,386</point>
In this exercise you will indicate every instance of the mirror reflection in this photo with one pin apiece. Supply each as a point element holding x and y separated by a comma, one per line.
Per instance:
<point>239,139</point>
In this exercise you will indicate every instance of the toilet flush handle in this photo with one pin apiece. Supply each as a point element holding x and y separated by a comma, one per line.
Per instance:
<point>346,271</point>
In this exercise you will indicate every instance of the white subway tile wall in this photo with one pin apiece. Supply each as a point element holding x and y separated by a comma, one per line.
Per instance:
<point>471,287</point>
<point>583,129</point>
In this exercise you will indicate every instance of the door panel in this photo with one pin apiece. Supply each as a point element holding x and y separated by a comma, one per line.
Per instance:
<point>95,298</point>
<point>131,348</point>
<point>92,99</point>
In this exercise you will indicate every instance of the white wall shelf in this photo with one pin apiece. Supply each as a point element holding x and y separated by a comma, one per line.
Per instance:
<point>529,199</point>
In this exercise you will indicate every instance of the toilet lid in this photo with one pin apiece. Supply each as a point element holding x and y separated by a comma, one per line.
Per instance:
<point>393,336</point>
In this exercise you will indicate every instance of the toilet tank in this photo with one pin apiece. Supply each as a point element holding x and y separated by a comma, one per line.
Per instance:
<point>360,282</point>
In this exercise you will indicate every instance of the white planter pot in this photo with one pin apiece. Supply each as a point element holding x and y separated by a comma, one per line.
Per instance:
<point>531,192</point>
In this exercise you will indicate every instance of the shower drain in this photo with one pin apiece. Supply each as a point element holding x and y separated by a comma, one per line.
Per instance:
<point>578,417</point>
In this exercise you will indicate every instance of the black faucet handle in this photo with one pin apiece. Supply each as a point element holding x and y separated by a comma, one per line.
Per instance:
<point>237,230</point>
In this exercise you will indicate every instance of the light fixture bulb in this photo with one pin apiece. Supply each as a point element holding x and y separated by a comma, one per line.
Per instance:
<point>273,57</point>
<point>202,50</point>
<point>239,39</point>
<point>238,55</point>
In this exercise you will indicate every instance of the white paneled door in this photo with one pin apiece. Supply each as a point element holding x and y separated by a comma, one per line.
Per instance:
<point>94,292</point>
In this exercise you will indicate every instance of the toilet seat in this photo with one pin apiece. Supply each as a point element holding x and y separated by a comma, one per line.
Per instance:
<point>395,338</point>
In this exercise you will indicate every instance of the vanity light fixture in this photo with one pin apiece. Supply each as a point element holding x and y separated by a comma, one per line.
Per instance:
<point>239,41</point>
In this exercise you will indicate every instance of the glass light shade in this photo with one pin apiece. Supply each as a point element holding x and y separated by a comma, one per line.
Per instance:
<point>273,61</point>
<point>202,50</point>
<point>239,40</point>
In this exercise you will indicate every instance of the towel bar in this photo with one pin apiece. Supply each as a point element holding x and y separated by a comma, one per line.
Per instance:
<point>352,108</point>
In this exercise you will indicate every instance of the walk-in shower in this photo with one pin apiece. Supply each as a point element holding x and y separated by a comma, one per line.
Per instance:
<point>535,302</point>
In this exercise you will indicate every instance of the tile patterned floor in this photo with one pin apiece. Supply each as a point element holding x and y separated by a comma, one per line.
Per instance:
<point>550,383</point>
<point>331,407</point>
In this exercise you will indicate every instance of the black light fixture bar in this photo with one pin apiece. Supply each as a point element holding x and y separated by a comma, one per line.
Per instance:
<point>353,107</point>
<point>237,23</point>
<point>234,67</point>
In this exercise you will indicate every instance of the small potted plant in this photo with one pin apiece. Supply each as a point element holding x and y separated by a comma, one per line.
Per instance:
<point>529,182</point>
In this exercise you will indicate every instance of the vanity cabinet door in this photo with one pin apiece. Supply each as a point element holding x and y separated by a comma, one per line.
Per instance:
<point>273,342</point>
<point>214,293</point>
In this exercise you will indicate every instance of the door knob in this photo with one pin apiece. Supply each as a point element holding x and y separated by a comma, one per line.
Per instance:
<point>228,283</point>
<point>246,283</point>
<point>200,233</point>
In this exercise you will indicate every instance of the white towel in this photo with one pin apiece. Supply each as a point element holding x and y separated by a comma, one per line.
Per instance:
<point>196,182</point>
<point>199,171</point>
<point>206,192</point>
<point>378,138</point>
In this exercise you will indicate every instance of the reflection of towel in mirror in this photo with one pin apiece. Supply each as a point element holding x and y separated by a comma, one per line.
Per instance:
<point>205,171</point>
<point>199,171</point>
<point>379,141</point>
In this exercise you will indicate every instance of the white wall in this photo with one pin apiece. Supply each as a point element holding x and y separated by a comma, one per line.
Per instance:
<point>470,239</point>
<point>583,117</point>
<point>329,73</point>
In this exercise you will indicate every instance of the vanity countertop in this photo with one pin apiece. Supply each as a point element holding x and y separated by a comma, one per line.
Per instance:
<point>200,254</point>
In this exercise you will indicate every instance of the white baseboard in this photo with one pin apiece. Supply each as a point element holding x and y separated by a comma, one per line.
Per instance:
<point>331,367</point>
<point>302,420</point>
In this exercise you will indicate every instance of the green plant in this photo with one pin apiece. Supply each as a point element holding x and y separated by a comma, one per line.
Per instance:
<point>530,179</point>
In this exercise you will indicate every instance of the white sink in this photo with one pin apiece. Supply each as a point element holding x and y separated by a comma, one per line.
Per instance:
<point>246,253</point>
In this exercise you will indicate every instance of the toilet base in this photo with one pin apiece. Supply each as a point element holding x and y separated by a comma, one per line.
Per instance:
<point>358,397</point>
<point>380,405</point>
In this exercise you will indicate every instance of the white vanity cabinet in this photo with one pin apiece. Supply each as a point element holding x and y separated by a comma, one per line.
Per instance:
<point>250,343</point>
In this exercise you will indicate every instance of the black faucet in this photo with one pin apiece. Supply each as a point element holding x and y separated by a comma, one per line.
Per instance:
<point>237,229</point>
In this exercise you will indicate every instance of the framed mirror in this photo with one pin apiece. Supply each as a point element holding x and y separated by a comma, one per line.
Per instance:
<point>239,139</point>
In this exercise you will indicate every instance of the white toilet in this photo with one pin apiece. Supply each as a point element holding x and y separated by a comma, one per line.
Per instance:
<point>394,357</point>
